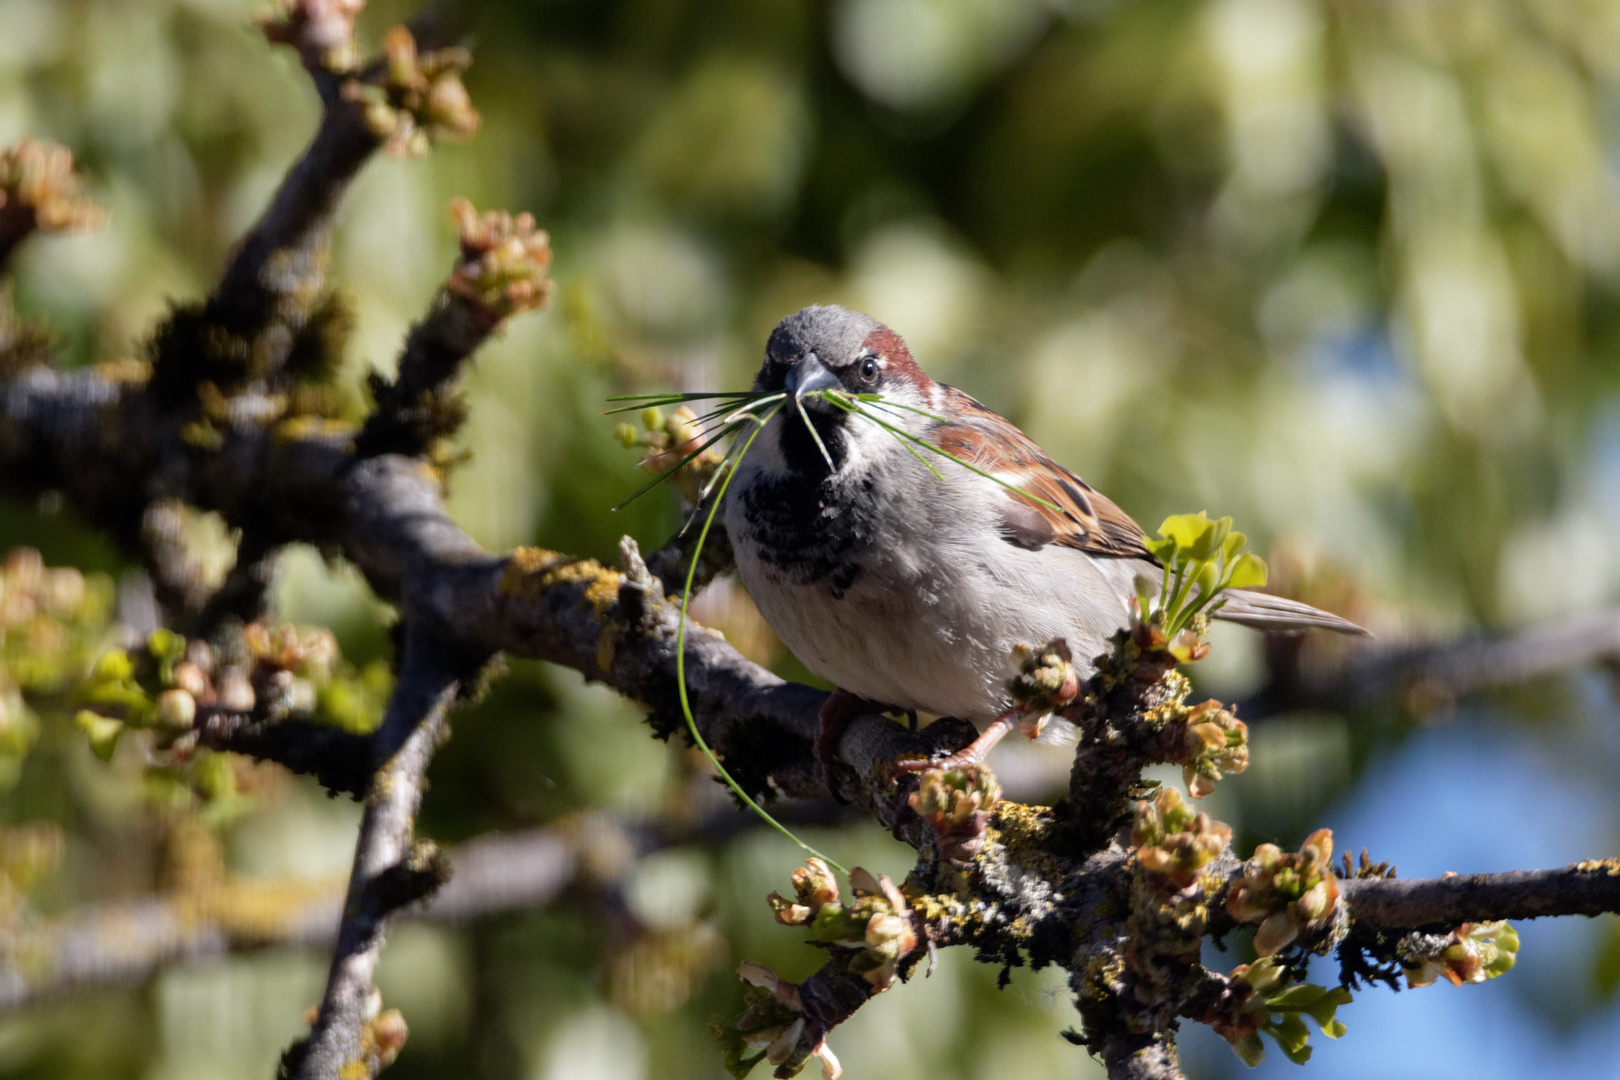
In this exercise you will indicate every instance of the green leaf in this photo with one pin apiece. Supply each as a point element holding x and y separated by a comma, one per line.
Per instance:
<point>1297,998</point>
<point>113,666</point>
<point>1249,572</point>
<point>1234,544</point>
<point>1185,530</point>
<point>1334,1028</point>
<point>1322,1011</point>
<point>1207,578</point>
<point>1209,542</point>
<point>102,731</point>
<point>1300,1056</point>
<point>1251,1050</point>
<point>1291,1034</point>
<point>1163,550</point>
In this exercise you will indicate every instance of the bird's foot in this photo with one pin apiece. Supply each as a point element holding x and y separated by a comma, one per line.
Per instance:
<point>836,713</point>
<point>973,753</point>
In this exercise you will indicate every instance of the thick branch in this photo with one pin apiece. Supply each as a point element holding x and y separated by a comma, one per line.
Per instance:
<point>1584,888</point>
<point>389,871</point>
<point>1150,1056</point>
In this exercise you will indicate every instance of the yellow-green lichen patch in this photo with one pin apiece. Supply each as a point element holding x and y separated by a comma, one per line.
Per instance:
<point>310,426</point>
<point>124,371</point>
<point>1172,701</point>
<point>1606,867</point>
<point>531,572</point>
<point>250,910</point>
<point>1022,831</point>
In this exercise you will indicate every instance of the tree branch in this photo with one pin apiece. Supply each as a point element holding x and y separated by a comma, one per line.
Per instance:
<point>128,942</point>
<point>1584,888</point>
<point>501,272</point>
<point>1427,674</point>
<point>390,871</point>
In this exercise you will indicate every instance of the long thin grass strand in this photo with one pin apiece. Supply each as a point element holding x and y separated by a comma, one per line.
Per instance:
<point>680,665</point>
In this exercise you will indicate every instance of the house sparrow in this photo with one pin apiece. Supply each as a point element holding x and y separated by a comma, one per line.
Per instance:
<point>909,590</point>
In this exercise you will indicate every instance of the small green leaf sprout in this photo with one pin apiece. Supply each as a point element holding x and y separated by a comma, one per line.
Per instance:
<point>1277,1007</point>
<point>1201,559</point>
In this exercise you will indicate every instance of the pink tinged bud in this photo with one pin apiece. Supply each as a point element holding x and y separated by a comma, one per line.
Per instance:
<point>190,678</point>
<point>234,693</point>
<point>389,1032</point>
<point>1198,783</point>
<point>176,709</point>
<point>884,930</point>
<point>815,884</point>
<point>862,883</point>
<point>787,912</point>
<point>1317,851</point>
<point>1242,904</point>
<point>1156,860</point>
<point>1204,738</point>
<point>830,1068</point>
<point>1276,933</point>
<point>782,1047</point>
<point>1266,856</point>
<point>1424,973</point>
<point>1318,900</point>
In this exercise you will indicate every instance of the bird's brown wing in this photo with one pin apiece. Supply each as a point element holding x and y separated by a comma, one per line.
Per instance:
<point>1050,505</point>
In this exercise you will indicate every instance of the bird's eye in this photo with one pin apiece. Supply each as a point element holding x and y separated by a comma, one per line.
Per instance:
<point>869,370</point>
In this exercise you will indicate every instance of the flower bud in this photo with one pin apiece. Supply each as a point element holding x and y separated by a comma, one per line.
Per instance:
<point>176,709</point>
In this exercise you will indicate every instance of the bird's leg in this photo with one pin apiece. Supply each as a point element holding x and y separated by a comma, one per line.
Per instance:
<point>973,753</point>
<point>835,715</point>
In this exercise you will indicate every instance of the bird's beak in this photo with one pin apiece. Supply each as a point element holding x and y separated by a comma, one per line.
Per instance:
<point>808,376</point>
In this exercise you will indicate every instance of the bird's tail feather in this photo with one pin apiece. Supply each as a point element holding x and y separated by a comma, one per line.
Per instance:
<point>1263,611</point>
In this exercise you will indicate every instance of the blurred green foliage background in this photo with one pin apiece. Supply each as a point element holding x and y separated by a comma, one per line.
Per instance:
<point>1348,270</point>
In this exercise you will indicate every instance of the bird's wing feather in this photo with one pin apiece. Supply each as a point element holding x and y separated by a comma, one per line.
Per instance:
<point>1263,611</point>
<point>1064,509</point>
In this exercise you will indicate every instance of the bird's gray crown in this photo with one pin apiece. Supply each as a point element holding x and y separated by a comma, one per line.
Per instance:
<point>834,334</point>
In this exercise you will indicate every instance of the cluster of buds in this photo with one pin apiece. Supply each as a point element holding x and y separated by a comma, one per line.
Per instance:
<point>871,934</point>
<point>159,687</point>
<point>1262,997</point>
<point>168,683</point>
<point>1185,646</point>
<point>1046,681</point>
<point>382,1035</point>
<point>39,188</point>
<point>321,30</point>
<point>502,269</point>
<point>27,853</point>
<point>52,622</point>
<point>1471,953</point>
<point>1286,894</point>
<point>774,1026</point>
<point>420,97</point>
<point>668,439</point>
<point>956,804</point>
<point>1217,742</point>
<point>1175,843</point>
